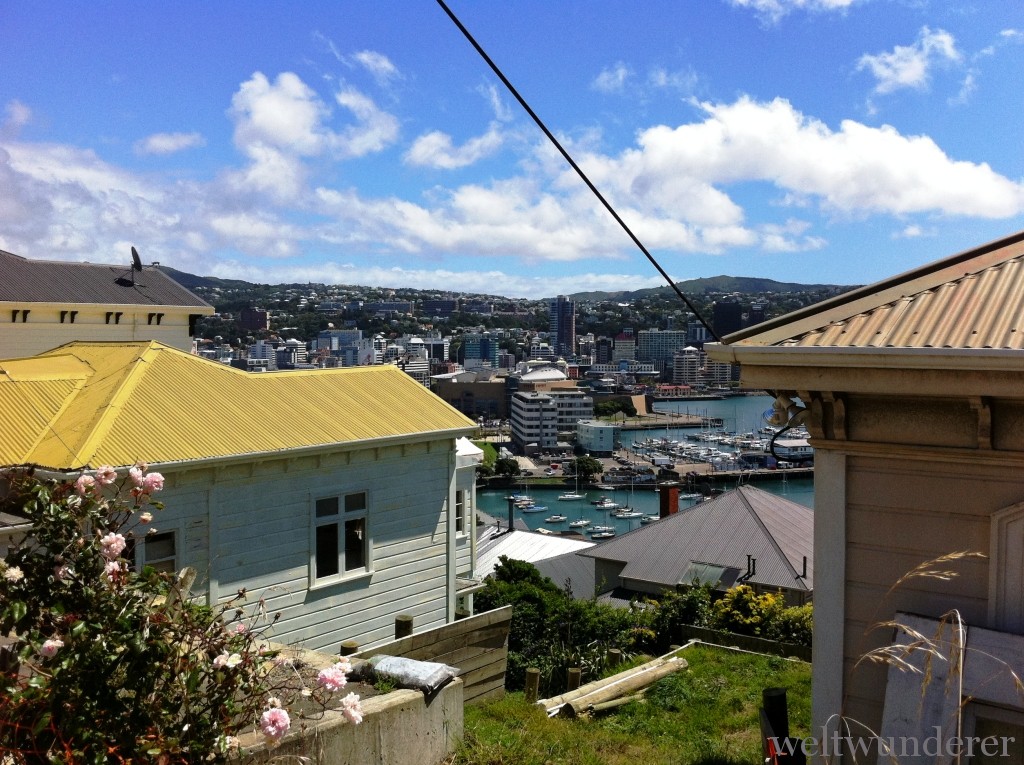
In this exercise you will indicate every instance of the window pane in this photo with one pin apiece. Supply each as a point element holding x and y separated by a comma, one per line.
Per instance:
<point>355,544</point>
<point>326,507</point>
<point>160,546</point>
<point>460,511</point>
<point>355,502</point>
<point>326,550</point>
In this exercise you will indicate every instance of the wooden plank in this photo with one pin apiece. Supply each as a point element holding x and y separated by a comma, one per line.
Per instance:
<point>494,638</point>
<point>485,692</point>
<point>457,630</point>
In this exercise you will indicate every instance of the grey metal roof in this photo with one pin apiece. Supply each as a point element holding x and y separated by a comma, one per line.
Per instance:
<point>572,569</point>
<point>722,532</point>
<point>50,281</point>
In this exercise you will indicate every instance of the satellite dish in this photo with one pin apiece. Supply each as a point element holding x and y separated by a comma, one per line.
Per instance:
<point>136,260</point>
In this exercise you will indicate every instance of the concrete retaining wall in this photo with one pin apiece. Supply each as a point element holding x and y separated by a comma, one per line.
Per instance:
<point>397,728</point>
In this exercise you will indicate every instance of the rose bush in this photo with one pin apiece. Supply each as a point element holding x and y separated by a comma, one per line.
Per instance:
<point>111,664</point>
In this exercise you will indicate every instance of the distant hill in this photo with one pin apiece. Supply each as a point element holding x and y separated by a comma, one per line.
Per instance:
<point>713,284</point>
<point>691,288</point>
<point>191,281</point>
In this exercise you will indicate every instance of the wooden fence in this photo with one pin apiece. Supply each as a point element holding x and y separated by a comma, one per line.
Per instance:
<point>756,644</point>
<point>477,645</point>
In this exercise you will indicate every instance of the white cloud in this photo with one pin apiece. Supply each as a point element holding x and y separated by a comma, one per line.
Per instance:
<point>502,113</point>
<point>682,81</point>
<point>16,116</point>
<point>168,143</point>
<point>375,130</point>
<point>612,79</point>
<point>773,10</point>
<point>909,66</point>
<point>378,65</point>
<point>435,149</point>
<point>857,169</point>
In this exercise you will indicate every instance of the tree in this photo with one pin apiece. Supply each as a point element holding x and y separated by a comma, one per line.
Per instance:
<point>506,466</point>
<point>585,467</point>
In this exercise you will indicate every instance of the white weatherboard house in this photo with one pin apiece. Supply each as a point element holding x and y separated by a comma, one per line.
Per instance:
<point>339,496</point>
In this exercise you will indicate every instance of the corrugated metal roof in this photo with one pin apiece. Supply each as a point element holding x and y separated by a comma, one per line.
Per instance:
<point>124,402</point>
<point>721,531</point>
<point>51,281</point>
<point>968,301</point>
<point>527,546</point>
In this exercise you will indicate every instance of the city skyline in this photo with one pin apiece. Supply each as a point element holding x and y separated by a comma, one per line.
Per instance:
<point>813,141</point>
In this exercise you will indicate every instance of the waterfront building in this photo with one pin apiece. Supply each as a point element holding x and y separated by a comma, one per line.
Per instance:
<point>658,346</point>
<point>539,418</point>
<point>597,437</point>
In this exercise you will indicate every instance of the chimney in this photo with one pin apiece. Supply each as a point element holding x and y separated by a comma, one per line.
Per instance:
<point>669,501</point>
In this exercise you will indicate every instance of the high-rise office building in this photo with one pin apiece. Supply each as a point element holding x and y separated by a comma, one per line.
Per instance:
<point>562,326</point>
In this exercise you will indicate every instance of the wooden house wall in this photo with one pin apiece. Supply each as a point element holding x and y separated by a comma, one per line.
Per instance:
<point>259,537</point>
<point>918,488</point>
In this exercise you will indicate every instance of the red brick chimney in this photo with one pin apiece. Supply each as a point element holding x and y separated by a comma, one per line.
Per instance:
<point>669,501</point>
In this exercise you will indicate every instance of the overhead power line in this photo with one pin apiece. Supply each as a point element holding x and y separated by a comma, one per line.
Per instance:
<point>579,171</point>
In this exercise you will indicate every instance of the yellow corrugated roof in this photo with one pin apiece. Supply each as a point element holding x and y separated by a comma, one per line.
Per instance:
<point>90,404</point>
<point>968,301</point>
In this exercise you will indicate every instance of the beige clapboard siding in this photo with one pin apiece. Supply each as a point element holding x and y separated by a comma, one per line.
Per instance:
<point>901,512</point>
<point>43,330</point>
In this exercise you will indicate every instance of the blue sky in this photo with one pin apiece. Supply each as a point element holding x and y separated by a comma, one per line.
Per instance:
<point>837,141</point>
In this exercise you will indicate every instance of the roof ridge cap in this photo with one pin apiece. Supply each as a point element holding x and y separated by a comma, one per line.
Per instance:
<point>771,537</point>
<point>133,374</point>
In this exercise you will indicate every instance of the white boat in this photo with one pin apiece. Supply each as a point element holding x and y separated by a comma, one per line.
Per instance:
<point>606,505</point>
<point>533,509</point>
<point>650,518</point>
<point>603,535</point>
<point>600,529</point>
<point>627,512</point>
<point>571,496</point>
<point>579,523</point>
<point>556,519</point>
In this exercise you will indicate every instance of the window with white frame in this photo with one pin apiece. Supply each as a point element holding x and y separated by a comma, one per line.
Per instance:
<point>159,551</point>
<point>341,541</point>
<point>461,510</point>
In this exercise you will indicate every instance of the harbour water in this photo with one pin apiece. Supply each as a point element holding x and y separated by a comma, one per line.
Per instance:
<point>739,414</point>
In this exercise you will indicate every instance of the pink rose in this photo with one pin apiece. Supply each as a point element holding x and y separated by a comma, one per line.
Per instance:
<point>145,517</point>
<point>84,484</point>
<point>50,647</point>
<point>135,474</point>
<point>112,545</point>
<point>352,709</point>
<point>275,723</point>
<point>152,482</point>
<point>332,678</point>
<point>112,570</point>
<point>106,475</point>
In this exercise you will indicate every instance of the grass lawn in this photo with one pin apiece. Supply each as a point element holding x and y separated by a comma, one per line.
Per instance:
<point>706,714</point>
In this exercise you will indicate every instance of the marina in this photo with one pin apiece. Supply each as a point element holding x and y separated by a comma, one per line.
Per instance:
<point>615,507</point>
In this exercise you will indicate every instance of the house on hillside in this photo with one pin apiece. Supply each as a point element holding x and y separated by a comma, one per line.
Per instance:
<point>44,304</point>
<point>340,496</point>
<point>913,392</point>
<point>745,536</point>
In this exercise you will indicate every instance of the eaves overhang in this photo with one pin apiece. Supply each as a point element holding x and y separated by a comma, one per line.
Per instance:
<point>952,359</point>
